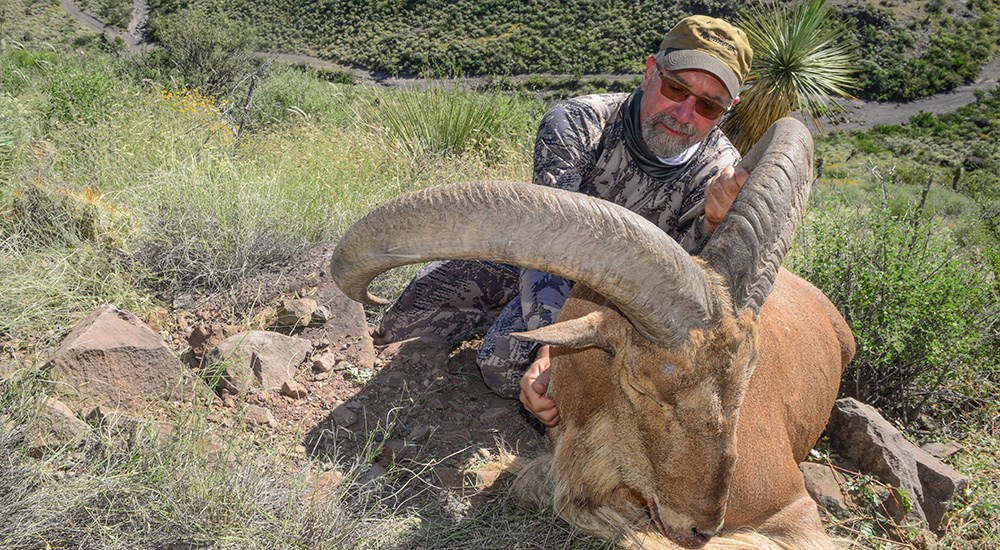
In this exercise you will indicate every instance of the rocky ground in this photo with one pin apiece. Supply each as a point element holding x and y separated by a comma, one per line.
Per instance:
<point>421,404</point>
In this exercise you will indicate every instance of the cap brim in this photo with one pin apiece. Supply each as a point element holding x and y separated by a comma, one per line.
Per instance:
<point>680,60</point>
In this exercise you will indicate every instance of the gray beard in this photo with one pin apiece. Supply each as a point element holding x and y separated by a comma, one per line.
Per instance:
<point>663,144</point>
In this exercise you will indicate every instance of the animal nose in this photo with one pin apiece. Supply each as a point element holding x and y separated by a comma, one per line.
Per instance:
<point>703,535</point>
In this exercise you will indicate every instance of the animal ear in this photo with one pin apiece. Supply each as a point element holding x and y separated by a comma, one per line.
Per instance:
<point>582,332</point>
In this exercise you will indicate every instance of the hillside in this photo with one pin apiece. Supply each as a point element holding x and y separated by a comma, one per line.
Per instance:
<point>909,49</point>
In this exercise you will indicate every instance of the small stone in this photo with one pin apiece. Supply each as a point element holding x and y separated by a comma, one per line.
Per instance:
<point>421,433</point>
<point>493,415</point>
<point>342,366</point>
<point>343,417</point>
<point>293,389</point>
<point>320,376</point>
<point>434,402</point>
<point>321,315</point>
<point>296,312</point>
<point>941,450</point>
<point>260,416</point>
<point>324,363</point>
<point>353,404</point>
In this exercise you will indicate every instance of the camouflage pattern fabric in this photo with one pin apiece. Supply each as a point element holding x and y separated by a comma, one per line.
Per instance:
<point>580,147</point>
<point>452,301</point>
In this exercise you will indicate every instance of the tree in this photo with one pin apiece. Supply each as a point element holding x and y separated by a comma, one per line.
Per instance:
<point>801,60</point>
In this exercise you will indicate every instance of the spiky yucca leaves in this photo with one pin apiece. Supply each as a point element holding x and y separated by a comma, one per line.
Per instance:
<point>801,61</point>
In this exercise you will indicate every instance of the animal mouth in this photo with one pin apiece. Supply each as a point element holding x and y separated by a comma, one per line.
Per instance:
<point>685,539</point>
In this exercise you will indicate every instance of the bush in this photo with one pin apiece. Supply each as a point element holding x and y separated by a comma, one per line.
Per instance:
<point>204,50</point>
<point>450,122</point>
<point>921,310</point>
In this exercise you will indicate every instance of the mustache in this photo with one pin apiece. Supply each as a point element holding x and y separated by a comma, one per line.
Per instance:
<point>672,123</point>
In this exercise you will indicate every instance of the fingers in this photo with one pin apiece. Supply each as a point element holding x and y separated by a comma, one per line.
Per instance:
<point>534,384</point>
<point>720,194</point>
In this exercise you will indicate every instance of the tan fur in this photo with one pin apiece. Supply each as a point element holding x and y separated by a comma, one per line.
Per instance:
<point>711,431</point>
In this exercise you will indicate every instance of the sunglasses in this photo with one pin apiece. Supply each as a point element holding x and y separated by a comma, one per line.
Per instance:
<point>675,91</point>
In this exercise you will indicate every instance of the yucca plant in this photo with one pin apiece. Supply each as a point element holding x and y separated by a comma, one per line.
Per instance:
<point>801,61</point>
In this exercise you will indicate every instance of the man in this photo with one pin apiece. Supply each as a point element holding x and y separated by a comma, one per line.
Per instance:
<point>657,151</point>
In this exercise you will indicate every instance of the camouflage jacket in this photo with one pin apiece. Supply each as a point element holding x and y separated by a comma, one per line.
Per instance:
<point>580,147</point>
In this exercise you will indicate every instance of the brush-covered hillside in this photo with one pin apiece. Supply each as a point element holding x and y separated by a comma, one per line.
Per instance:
<point>910,49</point>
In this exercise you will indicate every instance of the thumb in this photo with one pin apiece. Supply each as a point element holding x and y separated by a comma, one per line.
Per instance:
<point>541,384</point>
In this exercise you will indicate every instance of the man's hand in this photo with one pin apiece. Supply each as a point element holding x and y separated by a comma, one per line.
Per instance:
<point>534,383</point>
<point>720,194</point>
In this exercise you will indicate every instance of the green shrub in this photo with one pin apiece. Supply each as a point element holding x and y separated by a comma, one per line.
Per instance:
<point>920,308</point>
<point>204,50</point>
<point>443,121</point>
<point>83,93</point>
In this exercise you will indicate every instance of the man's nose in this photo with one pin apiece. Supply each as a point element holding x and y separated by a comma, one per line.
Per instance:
<point>683,111</point>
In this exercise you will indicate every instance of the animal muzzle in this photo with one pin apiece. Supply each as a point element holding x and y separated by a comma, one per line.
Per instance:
<point>684,537</point>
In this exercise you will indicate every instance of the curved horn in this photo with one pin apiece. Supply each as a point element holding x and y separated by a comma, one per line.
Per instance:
<point>748,246</point>
<point>610,249</point>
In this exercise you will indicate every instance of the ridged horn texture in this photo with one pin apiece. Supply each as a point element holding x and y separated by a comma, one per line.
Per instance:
<point>749,245</point>
<point>619,254</point>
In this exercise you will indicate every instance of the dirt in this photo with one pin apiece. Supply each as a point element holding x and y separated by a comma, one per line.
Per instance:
<point>409,403</point>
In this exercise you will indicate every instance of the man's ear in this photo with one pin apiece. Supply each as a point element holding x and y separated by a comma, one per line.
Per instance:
<point>582,332</point>
<point>650,72</point>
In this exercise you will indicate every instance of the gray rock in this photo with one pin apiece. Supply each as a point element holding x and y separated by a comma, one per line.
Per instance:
<point>261,416</point>
<point>293,389</point>
<point>296,312</point>
<point>493,415</point>
<point>343,417</point>
<point>421,433</point>
<point>860,434</point>
<point>53,427</point>
<point>263,358</point>
<point>824,488</point>
<point>112,358</point>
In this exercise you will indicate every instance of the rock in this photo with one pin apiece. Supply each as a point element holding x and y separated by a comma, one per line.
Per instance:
<point>397,450</point>
<point>321,316</point>
<point>860,434</point>
<point>293,389</point>
<point>204,337</point>
<point>255,414</point>
<point>492,416</point>
<point>324,362</point>
<point>296,312</point>
<point>320,376</point>
<point>941,450</point>
<point>421,433</point>
<point>256,357</point>
<point>53,427</point>
<point>823,486</point>
<point>343,417</point>
<point>346,323</point>
<point>111,358</point>
<point>373,472</point>
<point>119,424</point>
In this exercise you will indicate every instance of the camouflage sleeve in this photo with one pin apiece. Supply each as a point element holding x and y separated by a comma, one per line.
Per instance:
<point>542,297</point>
<point>565,150</point>
<point>566,145</point>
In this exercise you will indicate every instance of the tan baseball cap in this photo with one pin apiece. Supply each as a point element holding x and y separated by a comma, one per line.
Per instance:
<point>709,44</point>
